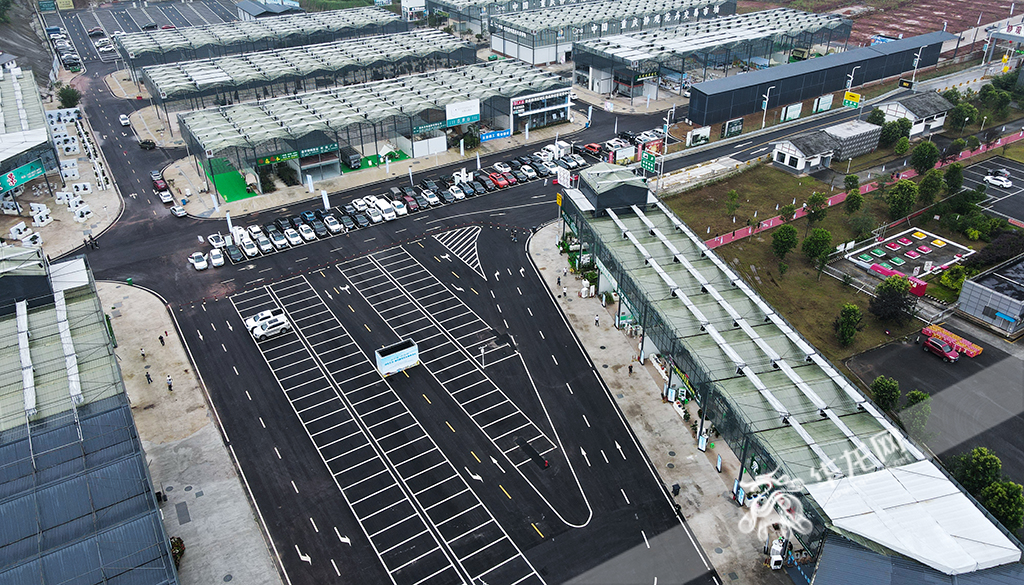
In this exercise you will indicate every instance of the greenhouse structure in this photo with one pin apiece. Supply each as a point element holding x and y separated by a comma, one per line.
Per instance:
<point>545,36</point>
<point>194,85</point>
<point>638,64</point>
<point>472,16</point>
<point>146,48</point>
<point>413,116</point>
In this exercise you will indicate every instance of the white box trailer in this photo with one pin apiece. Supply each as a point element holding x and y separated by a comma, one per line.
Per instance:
<point>397,357</point>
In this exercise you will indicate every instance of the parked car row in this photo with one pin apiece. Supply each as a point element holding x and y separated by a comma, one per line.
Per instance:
<point>64,48</point>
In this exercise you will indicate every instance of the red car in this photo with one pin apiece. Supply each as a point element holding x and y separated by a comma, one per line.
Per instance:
<point>411,203</point>
<point>498,180</point>
<point>168,26</point>
<point>509,178</point>
<point>159,185</point>
<point>941,349</point>
<point>594,149</point>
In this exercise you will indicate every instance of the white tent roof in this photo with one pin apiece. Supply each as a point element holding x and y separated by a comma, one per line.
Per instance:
<point>916,511</point>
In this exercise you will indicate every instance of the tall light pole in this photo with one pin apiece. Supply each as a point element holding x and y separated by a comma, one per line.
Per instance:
<point>917,60</point>
<point>849,77</point>
<point>764,105</point>
<point>983,118</point>
<point>966,120</point>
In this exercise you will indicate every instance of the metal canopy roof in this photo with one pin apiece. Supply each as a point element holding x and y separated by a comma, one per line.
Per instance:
<point>806,413</point>
<point>22,117</point>
<point>228,72</point>
<point>916,511</point>
<point>227,33</point>
<point>534,21</point>
<point>291,117</point>
<point>711,35</point>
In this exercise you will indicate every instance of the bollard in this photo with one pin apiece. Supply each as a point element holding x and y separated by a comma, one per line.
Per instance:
<point>129,281</point>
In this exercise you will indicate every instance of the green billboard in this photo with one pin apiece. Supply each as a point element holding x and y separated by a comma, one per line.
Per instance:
<point>21,175</point>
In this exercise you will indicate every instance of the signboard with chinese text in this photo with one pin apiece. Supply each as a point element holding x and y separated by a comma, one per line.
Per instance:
<point>21,175</point>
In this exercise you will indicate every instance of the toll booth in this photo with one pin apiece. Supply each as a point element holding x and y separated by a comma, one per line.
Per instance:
<point>397,357</point>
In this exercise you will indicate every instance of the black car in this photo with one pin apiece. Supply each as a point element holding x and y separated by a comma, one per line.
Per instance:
<point>318,228</point>
<point>349,209</point>
<point>296,221</point>
<point>321,213</point>
<point>525,160</point>
<point>520,177</point>
<point>234,253</point>
<point>147,144</point>
<point>421,201</point>
<point>515,164</point>
<point>347,223</point>
<point>487,183</point>
<point>446,197</point>
<point>478,188</point>
<point>562,163</point>
<point>542,171</point>
<point>409,191</point>
<point>268,227</point>
<point>282,224</point>
<point>429,185</point>
<point>361,220</point>
<point>628,136</point>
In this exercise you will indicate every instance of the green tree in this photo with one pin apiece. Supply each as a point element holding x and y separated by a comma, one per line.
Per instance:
<point>985,94</point>
<point>976,469</point>
<point>973,143</point>
<point>876,117</point>
<point>819,242</point>
<point>901,198</point>
<point>861,224</point>
<point>893,301</point>
<point>732,201</point>
<point>69,96</point>
<point>954,277</point>
<point>960,114</point>
<point>817,209</point>
<point>784,240</point>
<point>886,392</point>
<point>5,5</point>
<point>851,183</point>
<point>889,135</point>
<point>783,267</point>
<point>1001,103</point>
<point>955,148</point>
<point>905,125</point>
<point>916,412</point>
<point>929,186</point>
<point>1005,500</point>
<point>952,96</point>
<point>924,157</point>
<point>848,323</point>
<point>954,178</point>
<point>854,201</point>
<point>902,146</point>
<point>787,211</point>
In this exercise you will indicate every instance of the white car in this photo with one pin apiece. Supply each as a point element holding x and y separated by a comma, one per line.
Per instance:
<point>431,197</point>
<point>307,233</point>
<point>333,225</point>
<point>359,204</point>
<point>124,120</point>
<point>400,208</point>
<point>198,259</point>
<point>502,167</point>
<point>997,181</point>
<point>551,166</point>
<point>543,155</point>
<point>264,244</point>
<point>280,242</point>
<point>254,231</point>
<point>250,248</point>
<point>457,192</point>
<point>580,161</point>
<point>105,49</point>
<point>375,215</point>
<point>271,327</point>
<point>216,240</point>
<point>262,316</point>
<point>528,171</point>
<point>165,197</point>
<point>178,211</point>
<point>292,236</point>
<point>216,257</point>
<point>647,137</point>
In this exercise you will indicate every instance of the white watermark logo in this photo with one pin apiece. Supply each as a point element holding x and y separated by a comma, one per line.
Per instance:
<point>774,502</point>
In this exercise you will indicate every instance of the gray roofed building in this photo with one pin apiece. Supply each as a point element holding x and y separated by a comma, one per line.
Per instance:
<point>253,9</point>
<point>805,153</point>
<point>76,499</point>
<point>926,111</point>
<point>996,298</point>
<point>612,186</point>
<point>812,143</point>
<point>925,104</point>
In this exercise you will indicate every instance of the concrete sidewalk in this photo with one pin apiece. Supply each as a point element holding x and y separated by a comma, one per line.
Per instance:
<point>206,505</point>
<point>705,495</point>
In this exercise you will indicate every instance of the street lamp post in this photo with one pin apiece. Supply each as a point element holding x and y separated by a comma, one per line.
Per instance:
<point>983,118</point>
<point>764,106</point>
<point>849,77</point>
<point>917,60</point>
<point>966,120</point>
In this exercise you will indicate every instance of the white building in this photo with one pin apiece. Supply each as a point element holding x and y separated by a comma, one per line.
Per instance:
<point>927,111</point>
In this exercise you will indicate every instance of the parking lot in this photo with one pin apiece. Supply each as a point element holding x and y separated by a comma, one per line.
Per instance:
<point>913,251</point>
<point>1007,202</point>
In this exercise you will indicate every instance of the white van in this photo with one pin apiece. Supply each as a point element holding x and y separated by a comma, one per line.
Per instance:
<point>386,209</point>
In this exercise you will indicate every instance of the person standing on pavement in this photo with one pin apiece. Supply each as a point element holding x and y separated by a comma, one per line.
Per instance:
<point>161,340</point>
<point>170,387</point>
<point>149,379</point>
<point>143,352</point>
<point>565,292</point>
<point>597,320</point>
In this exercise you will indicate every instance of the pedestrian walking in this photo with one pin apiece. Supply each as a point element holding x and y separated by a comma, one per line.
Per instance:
<point>565,292</point>
<point>558,281</point>
<point>565,271</point>
<point>85,242</point>
<point>170,387</point>
<point>162,340</point>
<point>166,335</point>
<point>597,320</point>
<point>149,379</point>
<point>630,369</point>
<point>143,352</point>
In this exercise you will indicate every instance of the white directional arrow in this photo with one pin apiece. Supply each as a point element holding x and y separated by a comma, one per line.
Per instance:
<point>328,295</point>
<point>230,328</point>
<point>473,475</point>
<point>619,447</point>
<point>200,335</point>
<point>522,272</point>
<point>584,453</point>
<point>447,257</point>
<point>345,288</point>
<point>458,289</point>
<point>496,273</point>
<point>495,462</point>
<point>303,557</point>
<point>343,539</point>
